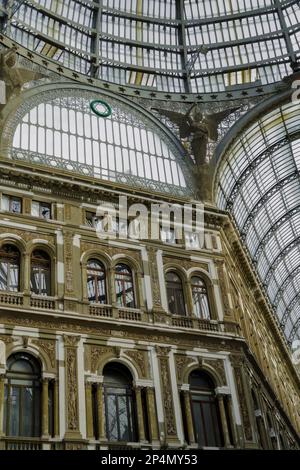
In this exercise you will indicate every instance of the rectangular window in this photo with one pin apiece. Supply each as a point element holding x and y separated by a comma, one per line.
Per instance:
<point>106,224</point>
<point>192,241</point>
<point>11,204</point>
<point>41,209</point>
<point>167,235</point>
<point>91,219</point>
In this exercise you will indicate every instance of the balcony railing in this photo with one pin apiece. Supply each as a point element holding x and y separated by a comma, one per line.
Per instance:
<point>205,325</point>
<point>101,310</point>
<point>42,302</point>
<point>130,314</point>
<point>107,311</point>
<point>8,298</point>
<point>23,444</point>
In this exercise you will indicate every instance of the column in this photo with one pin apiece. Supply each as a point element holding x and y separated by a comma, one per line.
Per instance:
<point>56,407</point>
<point>71,384</point>
<point>26,273</point>
<point>170,420</point>
<point>189,298</point>
<point>140,291</point>
<point>189,418</point>
<point>152,417</point>
<point>2,379</point>
<point>224,421</point>
<point>89,411</point>
<point>60,265</point>
<point>101,413</point>
<point>26,279</point>
<point>113,297</point>
<point>140,414</point>
<point>231,416</point>
<point>45,407</point>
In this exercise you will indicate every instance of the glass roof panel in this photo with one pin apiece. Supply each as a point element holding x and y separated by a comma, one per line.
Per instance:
<point>190,46</point>
<point>265,202</point>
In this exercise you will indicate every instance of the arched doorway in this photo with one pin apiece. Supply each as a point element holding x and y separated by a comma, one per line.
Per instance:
<point>22,416</point>
<point>205,410</point>
<point>120,409</point>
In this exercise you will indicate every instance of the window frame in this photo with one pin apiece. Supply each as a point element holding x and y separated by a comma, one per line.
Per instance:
<point>4,257</point>
<point>123,282</point>
<point>204,292</point>
<point>41,270</point>
<point>42,204</point>
<point>96,280</point>
<point>11,200</point>
<point>175,290</point>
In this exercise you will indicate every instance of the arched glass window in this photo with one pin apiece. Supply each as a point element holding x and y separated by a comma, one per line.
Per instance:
<point>175,294</point>
<point>124,286</point>
<point>120,413</point>
<point>200,298</point>
<point>9,268</point>
<point>96,282</point>
<point>40,282</point>
<point>205,410</point>
<point>22,396</point>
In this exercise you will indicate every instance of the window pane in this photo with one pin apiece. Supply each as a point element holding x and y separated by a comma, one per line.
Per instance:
<point>112,418</point>
<point>35,209</point>
<point>27,410</point>
<point>14,411</point>
<point>124,419</point>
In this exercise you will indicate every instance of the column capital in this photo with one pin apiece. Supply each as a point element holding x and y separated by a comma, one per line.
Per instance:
<point>222,391</point>
<point>71,340</point>
<point>94,379</point>
<point>48,376</point>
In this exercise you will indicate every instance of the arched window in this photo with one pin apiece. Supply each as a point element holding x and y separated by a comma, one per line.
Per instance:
<point>9,268</point>
<point>124,286</point>
<point>96,282</point>
<point>205,410</point>
<point>120,413</point>
<point>175,294</point>
<point>22,396</point>
<point>200,298</point>
<point>40,282</point>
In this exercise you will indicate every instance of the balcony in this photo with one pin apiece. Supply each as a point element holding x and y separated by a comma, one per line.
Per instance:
<point>213,326</point>
<point>19,299</point>
<point>107,311</point>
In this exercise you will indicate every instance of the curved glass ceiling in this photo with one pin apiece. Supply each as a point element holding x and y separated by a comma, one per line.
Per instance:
<point>184,46</point>
<point>56,127</point>
<point>259,182</point>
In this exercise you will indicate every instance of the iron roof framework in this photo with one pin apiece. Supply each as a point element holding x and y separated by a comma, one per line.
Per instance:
<point>259,182</point>
<point>174,46</point>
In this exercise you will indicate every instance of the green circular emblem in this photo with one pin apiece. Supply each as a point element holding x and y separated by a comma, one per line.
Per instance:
<point>101,108</point>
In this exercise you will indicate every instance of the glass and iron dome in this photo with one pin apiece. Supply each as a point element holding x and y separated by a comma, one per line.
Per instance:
<point>172,46</point>
<point>259,183</point>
